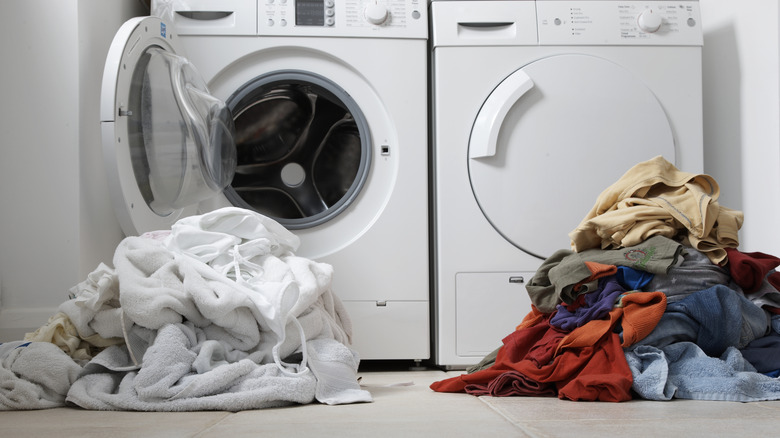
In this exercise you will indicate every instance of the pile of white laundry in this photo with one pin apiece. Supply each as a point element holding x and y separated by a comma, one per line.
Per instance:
<point>216,314</point>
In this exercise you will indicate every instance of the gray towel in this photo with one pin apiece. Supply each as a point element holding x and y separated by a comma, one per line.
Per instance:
<point>182,371</point>
<point>34,375</point>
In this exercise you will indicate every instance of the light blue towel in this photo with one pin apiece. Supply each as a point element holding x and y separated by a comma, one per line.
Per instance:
<point>683,370</point>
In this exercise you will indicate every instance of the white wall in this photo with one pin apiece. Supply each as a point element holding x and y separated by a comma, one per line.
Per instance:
<point>40,169</point>
<point>742,113</point>
<point>56,221</point>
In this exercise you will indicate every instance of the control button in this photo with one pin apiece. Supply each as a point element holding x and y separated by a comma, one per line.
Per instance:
<point>282,22</point>
<point>557,21</point>
<point>376,13</point>
<point>330,21</point>
<point>270,22</point>
<point>329,12</point>
<point>329,3</point>
<point>649,21</point>
<point>416,15</point>
<point>691,22</point>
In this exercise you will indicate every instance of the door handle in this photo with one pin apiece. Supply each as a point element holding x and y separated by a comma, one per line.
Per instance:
<point>484,133</point>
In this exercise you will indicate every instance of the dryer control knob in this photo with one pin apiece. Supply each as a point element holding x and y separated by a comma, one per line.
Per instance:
<point>649,20</point>
<point>376,13</point>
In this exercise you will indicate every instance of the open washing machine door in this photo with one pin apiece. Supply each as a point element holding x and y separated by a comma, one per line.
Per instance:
<point>168,144</point>
<point>289,144</point>
<point>528,169</point>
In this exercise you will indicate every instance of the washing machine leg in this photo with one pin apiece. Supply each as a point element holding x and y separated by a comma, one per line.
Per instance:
<point>418,366</point>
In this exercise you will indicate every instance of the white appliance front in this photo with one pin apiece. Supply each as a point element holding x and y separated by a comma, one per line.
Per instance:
<point>539,106</point>
<point>327,141</point>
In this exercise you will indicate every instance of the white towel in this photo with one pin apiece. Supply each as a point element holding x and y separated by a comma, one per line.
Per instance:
<point>257,252</point>
<point>213,236</point>
<point>335,367</point>
<point>208,312</point>
<point>94,304</point>
<point>159,287</point>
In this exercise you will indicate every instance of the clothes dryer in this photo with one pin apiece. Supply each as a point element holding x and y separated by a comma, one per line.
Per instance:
<point>326,103</point>
<point>537,107</point>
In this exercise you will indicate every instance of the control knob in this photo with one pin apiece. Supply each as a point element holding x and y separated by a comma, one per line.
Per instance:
<point>376,13</point>
<point>649,20</point>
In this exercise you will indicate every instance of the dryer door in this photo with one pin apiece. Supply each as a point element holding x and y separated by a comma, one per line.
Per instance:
<point>551,137</point>
<point>168,144</point>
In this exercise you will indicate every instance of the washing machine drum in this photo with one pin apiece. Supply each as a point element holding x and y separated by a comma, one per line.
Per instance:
<point>302,148</point>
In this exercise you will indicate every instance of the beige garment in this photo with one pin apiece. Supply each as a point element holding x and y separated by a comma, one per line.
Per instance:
<point>656,198</point>
<point>60,331</point>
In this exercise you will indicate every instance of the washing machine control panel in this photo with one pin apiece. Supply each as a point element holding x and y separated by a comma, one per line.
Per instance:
<point>359,18</point>
<point>619,22</point>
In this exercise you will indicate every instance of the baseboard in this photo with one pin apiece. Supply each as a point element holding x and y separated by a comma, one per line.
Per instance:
<point>15,322</point>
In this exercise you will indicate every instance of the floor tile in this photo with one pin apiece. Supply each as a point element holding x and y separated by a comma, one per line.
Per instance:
<point>521,409</point>
<point>688,428</point>
<point>74,422</point>
<point>554,418</point>
<point>403,405</point>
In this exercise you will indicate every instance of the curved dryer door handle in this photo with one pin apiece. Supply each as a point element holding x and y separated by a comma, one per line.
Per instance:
<point>484,133</point>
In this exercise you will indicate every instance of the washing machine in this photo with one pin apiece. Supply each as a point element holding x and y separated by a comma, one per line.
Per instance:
<point>311,112</point>
<point>537,107</point>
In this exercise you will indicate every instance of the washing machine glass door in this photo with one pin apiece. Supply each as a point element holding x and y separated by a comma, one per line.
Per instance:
<point>168,143</point>
<point>551,137</point>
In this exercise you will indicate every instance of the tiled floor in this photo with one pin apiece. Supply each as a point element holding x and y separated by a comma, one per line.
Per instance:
<point>405,407</point>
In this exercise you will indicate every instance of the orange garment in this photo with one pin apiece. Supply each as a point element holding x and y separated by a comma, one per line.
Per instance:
<point>587,363</point>
<point>640,312</point>
<point>534,317</point>
<point>595,372</point>
<point>597,270</point>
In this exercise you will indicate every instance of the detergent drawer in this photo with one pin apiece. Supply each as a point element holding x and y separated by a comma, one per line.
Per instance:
<point>216,17</point>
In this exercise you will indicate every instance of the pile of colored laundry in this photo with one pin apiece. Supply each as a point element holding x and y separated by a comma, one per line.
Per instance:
<point>653,300</point>
<point>216,314</point>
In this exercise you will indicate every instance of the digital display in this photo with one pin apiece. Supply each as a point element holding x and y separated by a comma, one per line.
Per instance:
<point>310,12</point>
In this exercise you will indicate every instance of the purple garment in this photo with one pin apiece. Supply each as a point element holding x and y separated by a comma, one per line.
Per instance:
<point>597,305</point>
